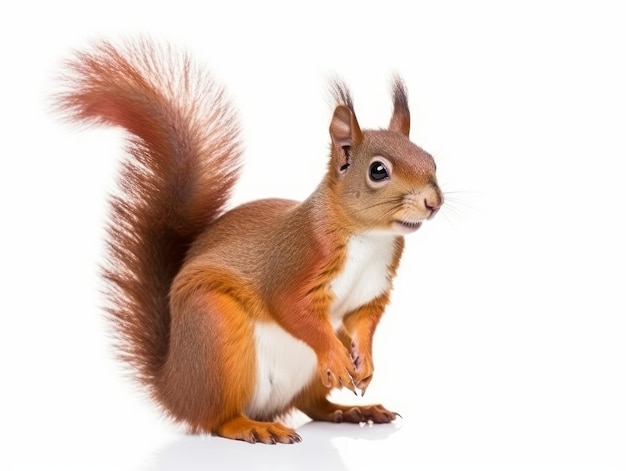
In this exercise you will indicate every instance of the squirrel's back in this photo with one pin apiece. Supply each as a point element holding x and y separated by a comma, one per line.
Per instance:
<point>183,160</point>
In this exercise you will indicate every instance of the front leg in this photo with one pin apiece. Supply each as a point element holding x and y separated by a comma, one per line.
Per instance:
<point>357,334</point>
<point>360,326</point>
<point>307,319</point>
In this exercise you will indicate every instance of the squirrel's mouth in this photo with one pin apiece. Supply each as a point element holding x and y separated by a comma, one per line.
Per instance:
<point>407,226</point>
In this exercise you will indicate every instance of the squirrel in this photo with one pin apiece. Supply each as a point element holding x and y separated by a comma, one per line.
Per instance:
<point>232,318</point>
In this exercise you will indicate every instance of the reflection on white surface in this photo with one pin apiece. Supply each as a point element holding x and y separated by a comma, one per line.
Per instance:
<point>323,448</point>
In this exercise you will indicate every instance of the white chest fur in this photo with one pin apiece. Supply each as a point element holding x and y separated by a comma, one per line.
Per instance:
<point>365,274</point>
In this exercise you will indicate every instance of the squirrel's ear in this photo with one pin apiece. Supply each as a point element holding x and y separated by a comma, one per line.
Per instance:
<point>344,128</point>
<point>345,133</point>
<point>401,119</point>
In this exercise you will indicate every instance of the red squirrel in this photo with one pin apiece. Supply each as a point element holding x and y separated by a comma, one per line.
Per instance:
<point>234,318</point>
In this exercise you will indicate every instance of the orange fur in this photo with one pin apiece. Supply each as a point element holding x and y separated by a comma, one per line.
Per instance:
<point>198,295</point>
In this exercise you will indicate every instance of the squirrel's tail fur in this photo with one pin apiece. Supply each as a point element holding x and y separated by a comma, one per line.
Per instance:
<point>183,160</point>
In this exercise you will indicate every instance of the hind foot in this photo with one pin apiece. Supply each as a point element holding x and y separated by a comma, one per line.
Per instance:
<point>252,431</point>
<point>329,412</point>
<point>375,414</point>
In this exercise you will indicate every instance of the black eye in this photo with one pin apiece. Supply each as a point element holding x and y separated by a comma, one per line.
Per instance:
<point>378,172</point>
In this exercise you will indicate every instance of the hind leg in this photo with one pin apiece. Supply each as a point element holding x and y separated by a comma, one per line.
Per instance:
<point>209,375</point>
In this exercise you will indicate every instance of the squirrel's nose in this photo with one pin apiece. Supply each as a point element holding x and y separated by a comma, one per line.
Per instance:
<point>432,203</point>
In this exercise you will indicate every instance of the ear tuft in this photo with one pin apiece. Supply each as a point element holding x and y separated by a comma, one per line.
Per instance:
<point>401,119</point>
<point>341,94</point>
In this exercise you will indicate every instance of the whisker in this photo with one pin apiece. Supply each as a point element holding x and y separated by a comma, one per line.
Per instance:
<point>382,217</point>
<point>394,201</point>
<point>453,201</point>
<point>447,212</point>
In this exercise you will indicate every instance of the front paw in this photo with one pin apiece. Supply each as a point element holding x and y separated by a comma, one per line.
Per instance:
<point>363,367</point>
<point>336,368</point>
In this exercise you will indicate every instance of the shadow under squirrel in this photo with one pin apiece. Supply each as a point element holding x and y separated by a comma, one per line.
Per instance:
<point>233,318</point>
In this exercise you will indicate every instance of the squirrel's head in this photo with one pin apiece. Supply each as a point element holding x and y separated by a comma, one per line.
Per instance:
<point>381,179</point>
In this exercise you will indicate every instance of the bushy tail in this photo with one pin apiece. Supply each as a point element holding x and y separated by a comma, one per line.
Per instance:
<point>183,161</point>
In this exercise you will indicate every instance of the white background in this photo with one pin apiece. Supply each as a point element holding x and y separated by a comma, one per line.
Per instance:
<point>504,347</point>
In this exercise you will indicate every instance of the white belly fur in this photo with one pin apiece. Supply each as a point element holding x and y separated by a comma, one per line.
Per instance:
<point>285,364</point>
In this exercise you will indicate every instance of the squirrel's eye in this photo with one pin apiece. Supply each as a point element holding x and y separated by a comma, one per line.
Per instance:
<point>378,172</point>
